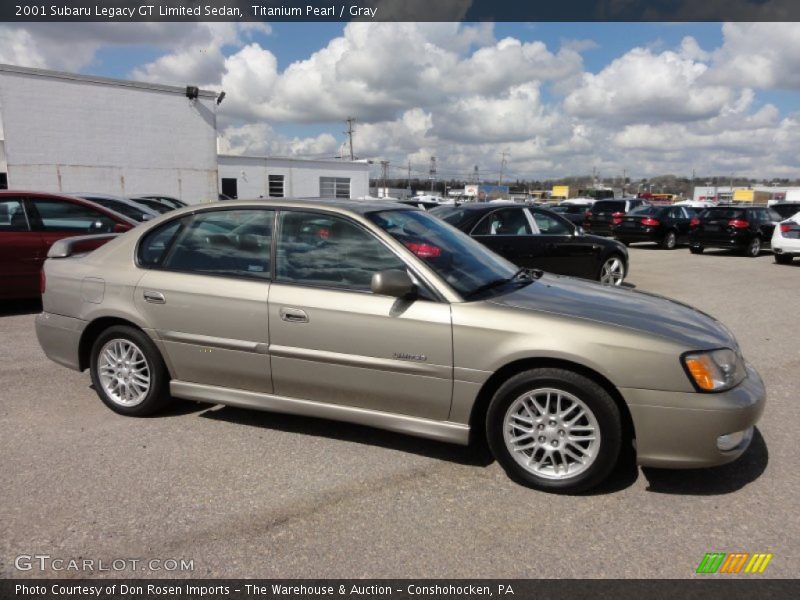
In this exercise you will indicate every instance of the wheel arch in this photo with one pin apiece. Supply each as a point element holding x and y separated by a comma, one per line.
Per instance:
<point>91,333</point>
<point>492,384</point>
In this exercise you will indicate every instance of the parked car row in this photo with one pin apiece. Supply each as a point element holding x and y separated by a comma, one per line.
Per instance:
<point>30,223</point>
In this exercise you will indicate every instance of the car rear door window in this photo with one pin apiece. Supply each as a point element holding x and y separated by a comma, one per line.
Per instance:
<point>234,243</point>
<point>329,251</point>
<point>12,215</point>
<point>66,216</point>
<point>506,221</point>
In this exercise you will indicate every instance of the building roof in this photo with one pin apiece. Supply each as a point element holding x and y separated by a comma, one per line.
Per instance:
<point>331,161</point>
<point>100,80</point>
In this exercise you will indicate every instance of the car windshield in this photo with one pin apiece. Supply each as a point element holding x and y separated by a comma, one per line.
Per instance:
<point>723,213</point>
<point>786,210</point>
<point>646,211</point>
<point>463,263</point>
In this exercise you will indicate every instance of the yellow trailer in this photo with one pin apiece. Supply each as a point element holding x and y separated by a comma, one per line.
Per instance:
<point>750,196</point>
<point>560,191</point>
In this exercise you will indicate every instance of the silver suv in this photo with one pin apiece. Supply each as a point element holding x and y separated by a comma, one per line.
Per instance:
<point>380,314</point>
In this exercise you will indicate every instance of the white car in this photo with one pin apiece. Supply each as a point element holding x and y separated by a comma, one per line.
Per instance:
<point>786,240</point>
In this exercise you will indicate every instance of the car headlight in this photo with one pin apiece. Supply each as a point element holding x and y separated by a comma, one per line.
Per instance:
<point>715,370</point>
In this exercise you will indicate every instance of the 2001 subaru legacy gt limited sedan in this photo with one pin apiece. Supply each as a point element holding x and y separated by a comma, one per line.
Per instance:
<point>380,314</point>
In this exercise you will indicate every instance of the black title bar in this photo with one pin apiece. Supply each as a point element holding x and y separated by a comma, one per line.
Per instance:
<point>399,10</point>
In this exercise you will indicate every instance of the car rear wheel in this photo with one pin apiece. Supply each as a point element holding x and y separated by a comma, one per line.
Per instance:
<point>783,259</point>
<point>753,249</point>
<point>554,430</point>
<point>612,272</point>
<point>696,249</point>
<point>128,372</point>
<point>670,241</point>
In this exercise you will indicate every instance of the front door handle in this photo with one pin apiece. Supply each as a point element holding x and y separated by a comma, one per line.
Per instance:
<point>293,315</point>
<point>154,297</point>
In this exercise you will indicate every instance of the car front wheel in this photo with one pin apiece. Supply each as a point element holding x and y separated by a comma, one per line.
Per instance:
<point>554,430</point>
<point>612,272</point>
<point>128,372</point>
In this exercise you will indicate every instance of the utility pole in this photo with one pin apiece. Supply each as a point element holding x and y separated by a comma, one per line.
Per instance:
<point>350,130</point>
<point>475,178</point>
<point>504,154</point>
<point>384,167</point>
<point>694,175</point>
<point>409,177</point>
<point>432,171</point>
<point>624,181</point>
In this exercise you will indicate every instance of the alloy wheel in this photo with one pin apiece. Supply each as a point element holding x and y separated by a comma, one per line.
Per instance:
<point>613,271</point>
<point>551,433</point>
<point>123,372</point>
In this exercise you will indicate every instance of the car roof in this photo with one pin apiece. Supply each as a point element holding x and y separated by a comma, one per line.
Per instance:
<point>360,207</point>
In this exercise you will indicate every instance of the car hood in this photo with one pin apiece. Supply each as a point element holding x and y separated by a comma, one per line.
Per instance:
<point>622,307</point>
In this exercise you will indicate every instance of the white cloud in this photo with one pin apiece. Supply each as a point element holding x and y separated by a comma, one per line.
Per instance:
<point>642,86</point>
<point>760,55</point>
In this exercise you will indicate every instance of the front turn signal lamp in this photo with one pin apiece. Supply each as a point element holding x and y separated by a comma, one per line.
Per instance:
<point>714,370</point>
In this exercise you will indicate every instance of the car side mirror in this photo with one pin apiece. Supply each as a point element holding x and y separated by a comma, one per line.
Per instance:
<point>394,283</point>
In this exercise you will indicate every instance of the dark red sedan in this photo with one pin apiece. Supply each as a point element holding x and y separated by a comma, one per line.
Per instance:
<point>31,222</point>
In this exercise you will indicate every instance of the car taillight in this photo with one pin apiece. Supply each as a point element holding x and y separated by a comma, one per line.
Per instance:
<point>616,218</point>
<point>695,222</point>
<point>738,224</point>
<point>42,281</point>
<point>424,250</point>
<point>786,227</point>
<point>650,222</point>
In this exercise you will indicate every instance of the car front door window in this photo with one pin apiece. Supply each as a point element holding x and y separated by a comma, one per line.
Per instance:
<point>506,221</point>
<point>328,251</point>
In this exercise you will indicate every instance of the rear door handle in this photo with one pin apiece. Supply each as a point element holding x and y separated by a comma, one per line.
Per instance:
<point>293,315</point>
<point>154,297</point>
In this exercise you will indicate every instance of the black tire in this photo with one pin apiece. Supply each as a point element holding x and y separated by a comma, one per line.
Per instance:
<point>696,249</point>
<point>670,241</point>
<point>158,393</point>
<point>602,406</point>
<point>753,249</point>
<point>783,259</point>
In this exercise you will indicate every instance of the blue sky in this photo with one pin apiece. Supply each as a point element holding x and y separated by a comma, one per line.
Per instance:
<point>596,95</point>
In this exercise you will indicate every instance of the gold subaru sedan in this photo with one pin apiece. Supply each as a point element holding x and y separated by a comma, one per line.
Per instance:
<point>380,314</point>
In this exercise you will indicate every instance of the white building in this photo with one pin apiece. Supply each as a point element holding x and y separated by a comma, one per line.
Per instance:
<point>266,177</point>
<point>61,132</point>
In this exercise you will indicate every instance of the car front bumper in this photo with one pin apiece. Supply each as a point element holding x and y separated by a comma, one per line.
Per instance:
<point>60,338</point>
<point>681,430</point>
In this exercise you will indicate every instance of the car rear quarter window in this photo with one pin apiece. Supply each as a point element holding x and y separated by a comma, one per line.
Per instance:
<point>12,215</point>
<point>329,251</point>
<point>234,243</point>
<point>710,214</point>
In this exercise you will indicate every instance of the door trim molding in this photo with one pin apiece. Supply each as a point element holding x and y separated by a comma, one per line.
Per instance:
<point>212,341</point>
<point>364,362</point>
<point>445,431</point>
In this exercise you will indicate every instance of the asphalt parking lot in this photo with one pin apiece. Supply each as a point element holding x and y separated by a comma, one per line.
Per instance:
<point>251,494</point>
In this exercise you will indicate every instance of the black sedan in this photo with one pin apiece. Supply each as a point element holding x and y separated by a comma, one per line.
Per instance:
<point>539,238</point>
<point>667,226</point>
